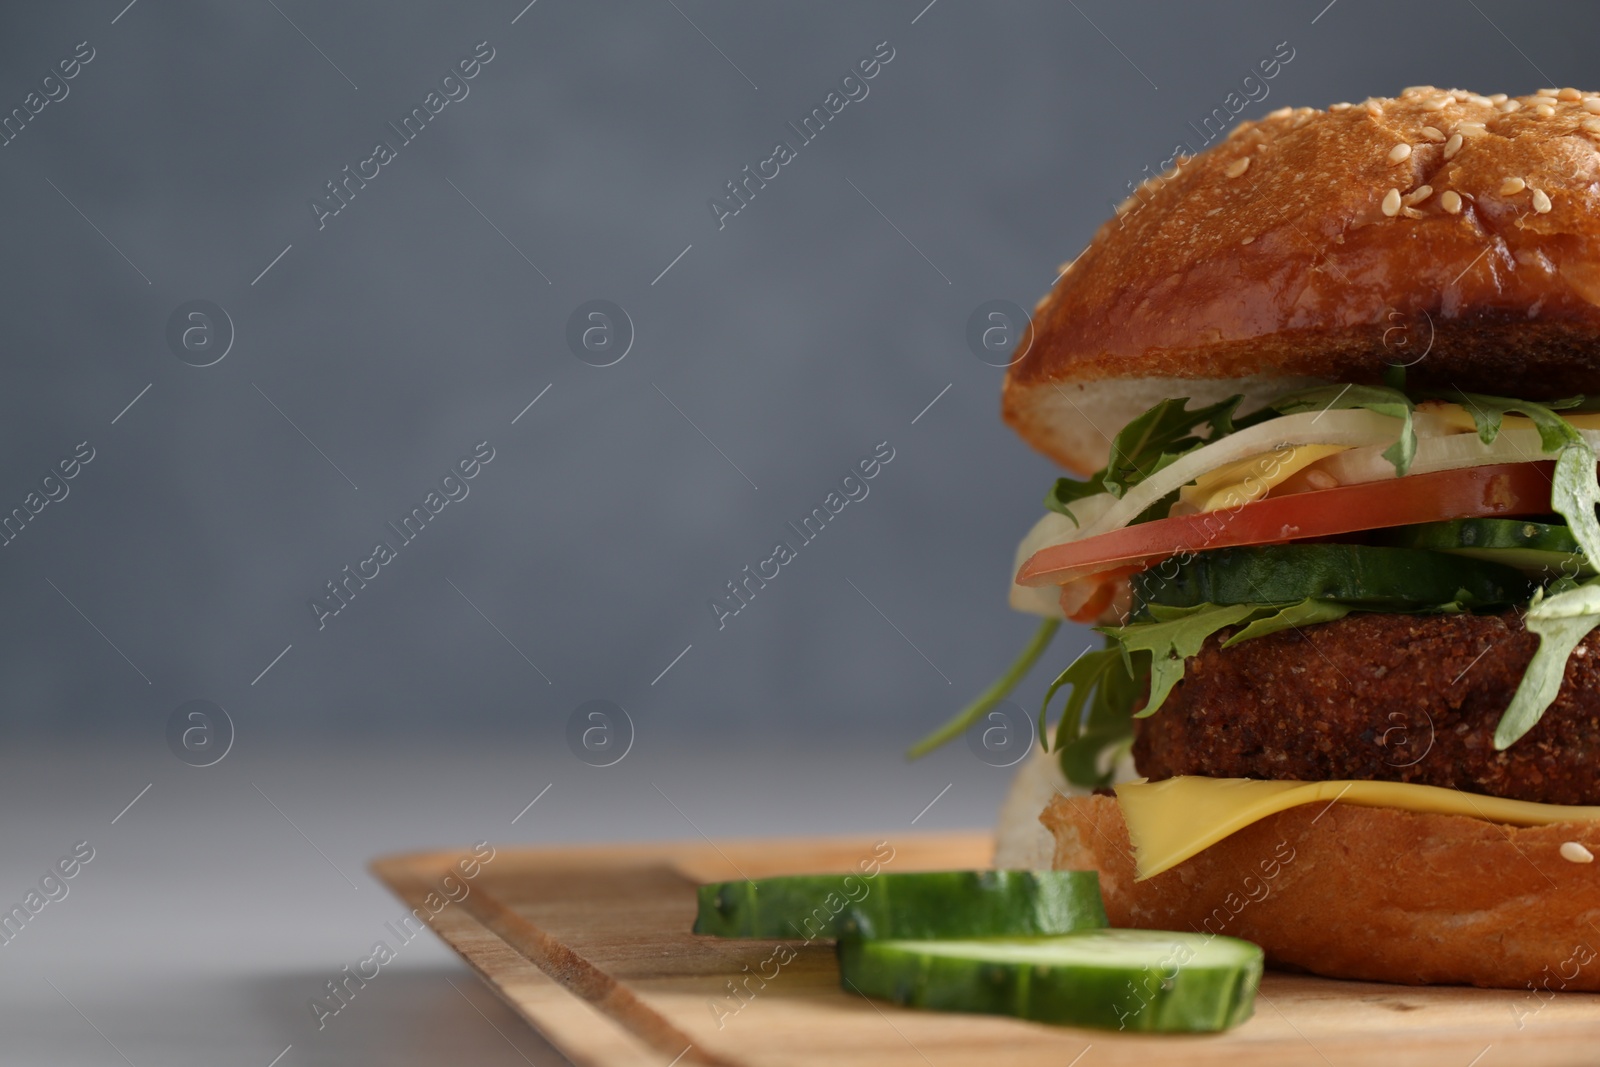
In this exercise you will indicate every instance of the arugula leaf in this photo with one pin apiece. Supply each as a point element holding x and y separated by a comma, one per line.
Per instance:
<point>1177,634</point>
<point>1561,621</point>
<point>1109,725</point>
<point>1146,445</point>
<point>1379,398</point>
<point>1084,675</point>
<point>1158,510</point>
<point>1308,612</point>
<point>1159,436</point>
<point>1106,683</point>
<point>1101,682</point>
<point>1080,759</point>
<point>1068,491</point>
<point>1554,431</point>
<point>994,694</point>
<point>1574,491</point>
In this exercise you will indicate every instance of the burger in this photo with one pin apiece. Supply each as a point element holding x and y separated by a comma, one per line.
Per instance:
<point>1329,397</point>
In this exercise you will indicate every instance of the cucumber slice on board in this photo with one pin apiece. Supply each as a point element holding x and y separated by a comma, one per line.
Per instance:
<point>912,904</point>
<point>1544,549</point>
<point>1364,576</point>
<point>1137,980</point>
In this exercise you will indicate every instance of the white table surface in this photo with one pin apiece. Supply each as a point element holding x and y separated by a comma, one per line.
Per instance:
<point>206,922</point>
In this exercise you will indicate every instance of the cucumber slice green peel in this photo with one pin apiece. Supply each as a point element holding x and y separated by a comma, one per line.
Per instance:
<point>1362,576</point>
<point>913,904</point>
<point>1544,550</point>
<point>1138,980</point>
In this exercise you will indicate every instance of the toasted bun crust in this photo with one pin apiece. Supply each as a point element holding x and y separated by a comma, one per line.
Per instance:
<point>1302,247</point>
<point>1367,893</point>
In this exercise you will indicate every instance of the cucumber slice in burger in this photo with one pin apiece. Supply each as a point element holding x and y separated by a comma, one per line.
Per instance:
<point>913,904</point>
<point>1542,549</point>
<point>1364,576</point>
<point>1138,980</point>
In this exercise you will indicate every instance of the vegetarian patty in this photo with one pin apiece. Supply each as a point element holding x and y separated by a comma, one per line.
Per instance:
<point>1401,698</point>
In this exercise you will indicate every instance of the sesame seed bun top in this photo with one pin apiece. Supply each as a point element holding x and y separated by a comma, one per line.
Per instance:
<point>1456,233</point>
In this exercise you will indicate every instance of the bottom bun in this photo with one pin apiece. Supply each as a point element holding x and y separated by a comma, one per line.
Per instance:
<point>1370,893</point>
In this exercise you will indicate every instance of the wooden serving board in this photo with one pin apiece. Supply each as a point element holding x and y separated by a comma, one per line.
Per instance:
<point>592,946</point>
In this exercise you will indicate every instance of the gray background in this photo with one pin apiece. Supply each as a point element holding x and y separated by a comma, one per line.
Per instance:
<point>822,319</point>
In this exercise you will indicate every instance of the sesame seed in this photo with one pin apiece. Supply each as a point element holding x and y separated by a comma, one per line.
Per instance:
<point>1591,104</point>
<point>1247,240</point>
<point>1411,213</point>
<point>1479,99</point>
<point>1238,167</point>
<point>1574,852</point>
<point>1391,203</point>
<point>1450,200</point>
<point>1375,109</point>
<point>1417,195</point>
<point>1544,111</point>
<point>1508,106</point>
<point>1452,146</point>
<point>1591,125</point>
<point>1399,153</point>
<point>1435,103</point>
<point>1281,113</point>
<point>1512,186</point>
<point>1340,107</point>
<point>1569,95</point>
<point>1498,98</point>
<point>1432,134</point>
<point>1541,201</point>
<point>1545,92</point>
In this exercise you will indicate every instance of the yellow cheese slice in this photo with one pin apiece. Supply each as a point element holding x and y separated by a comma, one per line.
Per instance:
<point>1456,417</point>
<point>1250,479</point>
<point>1171,820</point>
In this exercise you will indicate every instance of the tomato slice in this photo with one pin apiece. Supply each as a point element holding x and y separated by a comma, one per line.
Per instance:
<point>1088,598</point>
<point>1500,489</point>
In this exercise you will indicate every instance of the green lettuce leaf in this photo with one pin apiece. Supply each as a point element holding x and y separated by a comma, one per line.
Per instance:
<point>1081,758</point>
<point>1489,411</point>
<point>1067,492</point>
<point>1379,398</point>
<point>1106,683</point>
<point>1084,675</point>
<point>1159,436</point>
<point>1097,715</point>
<point>1144,446</point>
<point>1306,613</point>
<point>1176,635</point>
<point>1561,621</point>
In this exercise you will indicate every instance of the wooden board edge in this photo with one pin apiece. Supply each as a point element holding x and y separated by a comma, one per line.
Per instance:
<point>579,1029</point>
<point>413,876</point>
<point>592,1031</point>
